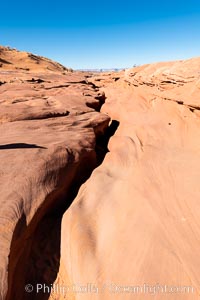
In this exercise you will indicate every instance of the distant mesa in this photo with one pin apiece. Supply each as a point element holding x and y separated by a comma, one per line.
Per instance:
<point>102,70</point>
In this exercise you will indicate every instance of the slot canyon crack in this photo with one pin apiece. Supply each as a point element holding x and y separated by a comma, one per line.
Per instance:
<point>35,247</point>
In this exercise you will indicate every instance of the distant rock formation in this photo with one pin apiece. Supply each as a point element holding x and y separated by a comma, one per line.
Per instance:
<point>12,59</point>
<point>99,180</point>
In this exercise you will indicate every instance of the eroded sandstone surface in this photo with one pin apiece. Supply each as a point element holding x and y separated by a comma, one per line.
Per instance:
<point>12,59</point>
<point>73,214</point>
<point>49,123</point>
<point>136,220</point>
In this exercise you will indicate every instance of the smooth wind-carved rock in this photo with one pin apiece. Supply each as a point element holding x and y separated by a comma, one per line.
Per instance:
<point>135,222</point>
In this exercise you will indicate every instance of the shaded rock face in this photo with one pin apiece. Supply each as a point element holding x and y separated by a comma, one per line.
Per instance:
<point>94,224</point>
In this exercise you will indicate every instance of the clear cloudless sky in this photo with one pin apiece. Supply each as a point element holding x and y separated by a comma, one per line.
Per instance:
<point>103,34</point>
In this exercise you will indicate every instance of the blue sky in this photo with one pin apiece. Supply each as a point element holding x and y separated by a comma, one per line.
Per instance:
<point>103,34</point>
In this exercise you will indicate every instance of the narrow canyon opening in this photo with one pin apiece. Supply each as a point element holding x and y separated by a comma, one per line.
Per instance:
<point>35,256</point>
<point>103,140</point>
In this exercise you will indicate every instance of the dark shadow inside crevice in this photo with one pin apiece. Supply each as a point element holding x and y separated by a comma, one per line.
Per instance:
<point>103,140</point>
<point>97,105</point>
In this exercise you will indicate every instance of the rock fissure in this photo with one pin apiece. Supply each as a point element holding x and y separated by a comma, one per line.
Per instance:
<point>35,248</point>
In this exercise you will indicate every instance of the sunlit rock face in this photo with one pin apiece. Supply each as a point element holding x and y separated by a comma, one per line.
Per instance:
<point>135,222</point>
